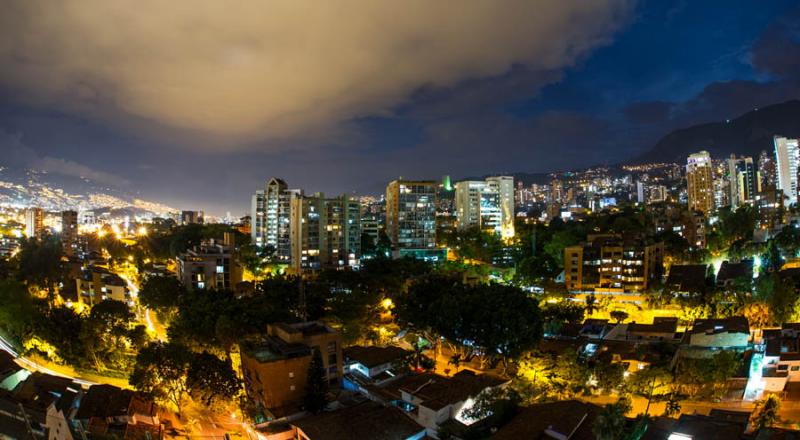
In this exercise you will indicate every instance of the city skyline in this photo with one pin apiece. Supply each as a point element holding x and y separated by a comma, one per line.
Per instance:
<point>499,107</point>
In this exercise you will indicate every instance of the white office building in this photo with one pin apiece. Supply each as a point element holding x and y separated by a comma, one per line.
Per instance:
<point>787,155</point>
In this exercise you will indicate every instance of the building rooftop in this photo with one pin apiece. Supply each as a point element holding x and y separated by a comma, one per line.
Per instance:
<point>7,365</point>
<point>308,329</point>
<point>110,401</point>
<point>371,357</point>
<point>734,324</point>
<point>566,419</point>
<point>688,277</point>
<point>711,427</point>
<point>367,420</point>
<point>659,325</point>
<point>436,391</point>
<point>730,272</point>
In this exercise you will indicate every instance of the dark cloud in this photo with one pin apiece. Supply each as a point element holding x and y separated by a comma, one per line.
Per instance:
<point>235,76</point>
<point>778,50</point>
<point>651,112</point>
<point>19,155</point>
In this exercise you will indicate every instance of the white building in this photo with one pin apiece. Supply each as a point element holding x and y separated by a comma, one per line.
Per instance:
<point>487,204</point>
<point>787,156</point>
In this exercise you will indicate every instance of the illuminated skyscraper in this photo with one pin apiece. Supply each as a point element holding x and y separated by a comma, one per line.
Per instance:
<point>787,155</point>
<point>743,183</point>
<point>411,218</point>
<point>69,231</point>
<point>477,205</point>
<point>325,233</point>
<point>700,182</point>
<point>504,186</point>
<point>270,211</point>
<point>34,222</point>
<point>487,204</point>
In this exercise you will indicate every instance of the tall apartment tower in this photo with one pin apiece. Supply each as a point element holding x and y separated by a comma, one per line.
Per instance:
<point>700,182</point>
<point>487,204</point>
<point>69,232</point>
<point>743,182</point>
<point>411,218</point>
<point>325,233</point>
<point>270,217</point>
<point>477,205</point>
<point>34,222</point>
<point>787,157</point>
<point>504,186</point>
<point>192,217</point>
<point>766,170</point>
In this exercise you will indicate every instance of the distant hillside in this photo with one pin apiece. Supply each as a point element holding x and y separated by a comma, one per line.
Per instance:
<point>748,134</point>
<point>53,192</point>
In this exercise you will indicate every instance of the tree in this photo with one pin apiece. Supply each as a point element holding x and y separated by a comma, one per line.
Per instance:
<point>211,379</point>
<point>609,375</point>
<point>104,333</point>
<point>610,423</point>
<point>18,311</point>
<point>619,315</point>
<point>673,406</point>
<point>316,398</point>
<point>706,376</point>
<point>650,383</point>
<point>591,304</point>
<point>161,293</point>
<point>767,412</point>
<point>40,263</point>
<point>501,403</point>
<point>160,371</point>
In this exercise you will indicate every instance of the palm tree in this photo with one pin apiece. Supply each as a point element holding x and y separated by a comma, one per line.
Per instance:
<point>767,412</point>
<point>610,424</point>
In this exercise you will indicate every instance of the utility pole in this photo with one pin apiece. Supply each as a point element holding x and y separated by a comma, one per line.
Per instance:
<point>27,422</point>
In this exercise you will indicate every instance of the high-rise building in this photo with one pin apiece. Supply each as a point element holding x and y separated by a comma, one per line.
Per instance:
<point>411,218</point>
<point>34,222</point>
<point>487,204</point>
<point>747,182</point>
<point>69,232</point>
<point>477,205</point>
<point>258,211</point>
<point>192,217</point>
<point>700,182</point>
<point>766,170</point>
<point>787,157</point>
<point>504,186</point>
<point>640,191</point>
<point>743,184</point>
<point>556,192</point>
<point>324,233</point>
<point>270,212</point>
<point>657,194</point>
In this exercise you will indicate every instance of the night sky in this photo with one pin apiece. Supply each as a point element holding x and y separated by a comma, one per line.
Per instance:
<point>196,104</point>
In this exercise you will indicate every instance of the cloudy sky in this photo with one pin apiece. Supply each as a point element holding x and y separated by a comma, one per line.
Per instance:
<point>197,103</point>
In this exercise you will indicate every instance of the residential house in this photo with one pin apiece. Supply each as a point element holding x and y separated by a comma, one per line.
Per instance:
<point>731,273</point>
<point>97,284</point>
<point>568,419</point>
<point>373,365</point>
<point>275,368</point>
<point>733,332</point>
<point>688,279</point>
<point>107,410</point>
<point>431,400</point>
<point>366,420</point>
